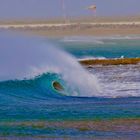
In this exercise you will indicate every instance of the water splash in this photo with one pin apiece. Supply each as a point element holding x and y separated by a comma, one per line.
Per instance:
<point>27,57</point>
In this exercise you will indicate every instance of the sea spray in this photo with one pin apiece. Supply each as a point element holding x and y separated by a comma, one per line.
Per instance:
<point>27,57</point>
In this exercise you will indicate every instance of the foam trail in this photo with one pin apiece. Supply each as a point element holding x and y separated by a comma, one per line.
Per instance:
<point>27,57</point>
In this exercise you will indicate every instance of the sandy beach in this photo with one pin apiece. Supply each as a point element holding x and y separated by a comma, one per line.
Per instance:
<point>85,27</point>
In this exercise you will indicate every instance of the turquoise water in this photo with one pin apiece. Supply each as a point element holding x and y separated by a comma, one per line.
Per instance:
<point>36,99</point>
<point>29,66</point>
<point>101,47</point>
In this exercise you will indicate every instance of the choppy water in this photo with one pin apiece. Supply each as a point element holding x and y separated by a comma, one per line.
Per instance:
<point>30,65</point>
<point>118,81</point>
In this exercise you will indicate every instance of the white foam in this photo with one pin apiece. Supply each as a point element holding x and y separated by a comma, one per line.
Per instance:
<point>92,58</point>
<point>119,81</point>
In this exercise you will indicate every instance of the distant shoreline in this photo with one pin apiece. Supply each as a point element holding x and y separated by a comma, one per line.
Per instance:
<point>79,27</point>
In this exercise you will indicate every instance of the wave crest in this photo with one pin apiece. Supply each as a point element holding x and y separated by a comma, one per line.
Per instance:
<point>28,57</point>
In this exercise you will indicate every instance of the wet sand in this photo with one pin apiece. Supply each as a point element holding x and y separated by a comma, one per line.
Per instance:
<point>121,61</point>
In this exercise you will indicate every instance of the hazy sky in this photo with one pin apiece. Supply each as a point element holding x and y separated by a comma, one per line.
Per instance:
<point>10,9</point>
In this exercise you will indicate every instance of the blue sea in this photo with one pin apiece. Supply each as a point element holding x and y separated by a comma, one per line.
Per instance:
<point>102,102</point>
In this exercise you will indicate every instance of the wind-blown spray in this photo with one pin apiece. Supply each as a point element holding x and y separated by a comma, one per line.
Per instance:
<point>27,57</point>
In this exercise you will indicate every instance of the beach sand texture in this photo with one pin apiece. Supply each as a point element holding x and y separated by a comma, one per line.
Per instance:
<point>79,26</point>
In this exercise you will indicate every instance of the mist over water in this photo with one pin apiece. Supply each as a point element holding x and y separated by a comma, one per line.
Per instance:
<point>24,57</point>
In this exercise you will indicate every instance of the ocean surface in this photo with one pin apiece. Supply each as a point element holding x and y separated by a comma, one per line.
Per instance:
<point>100,102</point>
<point>102,47</point>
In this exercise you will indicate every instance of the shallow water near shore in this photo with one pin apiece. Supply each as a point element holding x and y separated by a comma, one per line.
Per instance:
<point>102,47</point>
<point>98,102</point>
